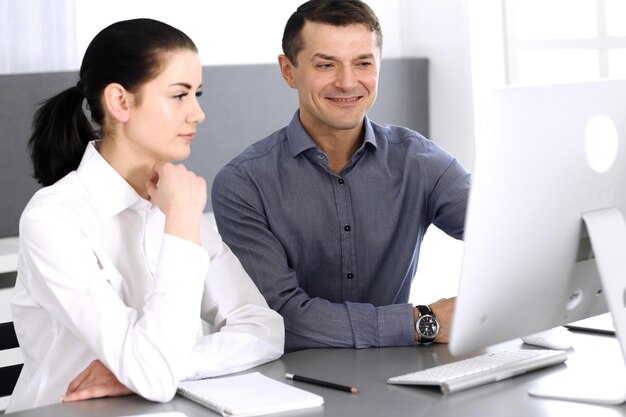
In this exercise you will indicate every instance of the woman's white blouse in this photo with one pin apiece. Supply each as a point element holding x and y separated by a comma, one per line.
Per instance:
<point>99,279</point>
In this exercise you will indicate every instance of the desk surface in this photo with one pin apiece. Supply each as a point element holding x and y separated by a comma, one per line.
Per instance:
<point>368,369</point>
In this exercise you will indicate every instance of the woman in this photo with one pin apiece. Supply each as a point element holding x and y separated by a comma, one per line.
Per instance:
<point>116,262</point>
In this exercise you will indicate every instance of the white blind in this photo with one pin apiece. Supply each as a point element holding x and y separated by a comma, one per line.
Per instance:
<point>37,36</point>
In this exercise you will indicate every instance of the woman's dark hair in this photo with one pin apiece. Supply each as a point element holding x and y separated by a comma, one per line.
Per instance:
<point>130,53</point>
<point>331,12</point>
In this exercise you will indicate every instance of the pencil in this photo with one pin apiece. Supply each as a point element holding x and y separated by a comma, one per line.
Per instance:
<point>301,378</point>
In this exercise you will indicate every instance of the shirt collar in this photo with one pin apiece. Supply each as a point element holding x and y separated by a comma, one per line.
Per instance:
<point>300,141</point>
<point>110,192</point>
<point>369,136</point>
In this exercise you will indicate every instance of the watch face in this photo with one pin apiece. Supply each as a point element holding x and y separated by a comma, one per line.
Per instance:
<point>427,326</point>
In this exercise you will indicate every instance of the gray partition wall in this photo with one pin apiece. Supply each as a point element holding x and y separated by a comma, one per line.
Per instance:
<point>243,104</point>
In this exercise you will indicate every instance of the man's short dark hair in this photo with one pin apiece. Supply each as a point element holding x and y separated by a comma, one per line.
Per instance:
<point>331,12</point>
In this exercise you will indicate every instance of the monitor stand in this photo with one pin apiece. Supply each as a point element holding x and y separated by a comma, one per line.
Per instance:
<point>607,232</point>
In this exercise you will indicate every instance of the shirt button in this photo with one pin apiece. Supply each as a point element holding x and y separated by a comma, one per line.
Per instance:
<point>340,180</point>
<point>350,275</point>
<point>347,228</point>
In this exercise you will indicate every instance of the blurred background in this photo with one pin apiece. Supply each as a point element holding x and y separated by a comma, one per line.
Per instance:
<point>471,45</point>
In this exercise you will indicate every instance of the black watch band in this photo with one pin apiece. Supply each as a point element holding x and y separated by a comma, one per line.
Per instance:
<point>425,310</point>
<point>426,326</point>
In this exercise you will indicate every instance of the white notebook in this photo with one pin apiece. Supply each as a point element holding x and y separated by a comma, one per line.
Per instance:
<point>251,394</point>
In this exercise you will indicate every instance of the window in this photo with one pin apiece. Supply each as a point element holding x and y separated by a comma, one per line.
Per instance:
<point>551,41</point>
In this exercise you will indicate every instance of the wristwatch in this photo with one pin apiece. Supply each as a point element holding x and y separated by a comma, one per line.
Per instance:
<point>427,326</point>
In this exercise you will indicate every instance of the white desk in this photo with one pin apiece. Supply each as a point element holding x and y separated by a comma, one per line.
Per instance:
<point>9,247</point>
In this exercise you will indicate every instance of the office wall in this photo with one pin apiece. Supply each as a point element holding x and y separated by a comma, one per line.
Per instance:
<point>248,32</point>
<point>243,103</point>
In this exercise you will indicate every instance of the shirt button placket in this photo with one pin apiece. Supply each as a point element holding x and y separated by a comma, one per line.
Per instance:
<point>347,229</point>
<point>348,256</point>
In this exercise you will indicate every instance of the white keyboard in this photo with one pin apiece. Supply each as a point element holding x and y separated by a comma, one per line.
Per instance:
<point>481,369</point>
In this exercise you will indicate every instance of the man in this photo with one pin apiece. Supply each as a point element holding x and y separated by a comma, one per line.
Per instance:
<point>327,214</point>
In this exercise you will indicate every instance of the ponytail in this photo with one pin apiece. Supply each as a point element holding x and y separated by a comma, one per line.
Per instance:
<point>60,134</point>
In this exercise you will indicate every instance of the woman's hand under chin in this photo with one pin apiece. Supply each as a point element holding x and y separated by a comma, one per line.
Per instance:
<point>181,195</point>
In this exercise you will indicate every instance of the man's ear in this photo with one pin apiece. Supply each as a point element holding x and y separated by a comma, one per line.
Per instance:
<point>116,101</point>
<point>286,69</point>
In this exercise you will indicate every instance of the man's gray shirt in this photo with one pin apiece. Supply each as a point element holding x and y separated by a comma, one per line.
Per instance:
<point>335,254</point>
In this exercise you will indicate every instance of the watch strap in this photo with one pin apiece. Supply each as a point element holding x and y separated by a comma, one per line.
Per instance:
<point>425,310</point>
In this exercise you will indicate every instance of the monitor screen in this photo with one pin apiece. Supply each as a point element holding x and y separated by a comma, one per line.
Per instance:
<point>546,157</point>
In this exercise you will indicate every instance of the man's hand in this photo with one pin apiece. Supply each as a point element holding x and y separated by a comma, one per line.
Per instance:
<point>96,381</point>
<point>443,310</point>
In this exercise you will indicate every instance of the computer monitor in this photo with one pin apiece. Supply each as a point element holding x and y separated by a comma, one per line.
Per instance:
<point>545,238</point>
